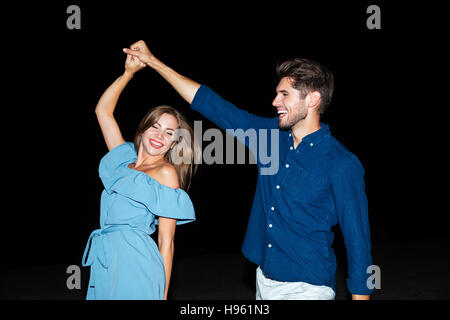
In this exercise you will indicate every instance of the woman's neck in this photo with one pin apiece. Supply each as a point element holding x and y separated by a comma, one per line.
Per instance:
<point>145,159</point>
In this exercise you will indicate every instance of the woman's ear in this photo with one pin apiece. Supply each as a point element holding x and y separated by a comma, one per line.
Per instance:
<point>173,144</point>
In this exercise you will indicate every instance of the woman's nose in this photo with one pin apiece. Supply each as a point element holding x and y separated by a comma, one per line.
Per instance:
<point>159,134</point>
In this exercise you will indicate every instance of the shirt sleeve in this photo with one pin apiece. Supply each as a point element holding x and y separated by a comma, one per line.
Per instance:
<point>226,115</point>
<point>352,210</point>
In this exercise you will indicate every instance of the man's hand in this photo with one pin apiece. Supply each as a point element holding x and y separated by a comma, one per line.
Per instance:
<point>140,51</point>
<point>133,65</point>
<point>186,87</point>
<point>360,297</point>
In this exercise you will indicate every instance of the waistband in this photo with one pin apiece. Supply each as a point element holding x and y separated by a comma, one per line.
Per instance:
<point>95,244</point>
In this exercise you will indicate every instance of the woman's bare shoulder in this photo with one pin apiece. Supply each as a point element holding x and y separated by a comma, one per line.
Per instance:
<point>165,174</point>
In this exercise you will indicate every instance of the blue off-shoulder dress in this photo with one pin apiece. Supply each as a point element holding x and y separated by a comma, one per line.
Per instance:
<point>125,261</point>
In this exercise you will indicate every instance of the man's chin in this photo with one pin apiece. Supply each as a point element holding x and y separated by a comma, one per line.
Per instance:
<point>283,125</point>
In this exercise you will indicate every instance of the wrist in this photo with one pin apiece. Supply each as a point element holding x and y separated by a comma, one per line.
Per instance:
<point>154,63</point>
<point>127,75</point>
<point>360,297</point>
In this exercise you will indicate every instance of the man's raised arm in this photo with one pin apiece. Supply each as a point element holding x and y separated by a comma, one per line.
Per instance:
<point>184,86</point>
<point>201,98</point>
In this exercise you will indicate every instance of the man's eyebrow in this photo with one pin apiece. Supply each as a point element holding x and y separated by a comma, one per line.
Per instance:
<point>282,91</point>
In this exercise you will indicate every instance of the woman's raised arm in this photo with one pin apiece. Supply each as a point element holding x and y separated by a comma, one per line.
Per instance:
<point>108,101</point>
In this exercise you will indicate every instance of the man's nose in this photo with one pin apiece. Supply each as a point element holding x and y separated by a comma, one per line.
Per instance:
<point>275,102</point>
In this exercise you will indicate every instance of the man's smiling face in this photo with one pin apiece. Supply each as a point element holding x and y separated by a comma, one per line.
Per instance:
<point>289,103</point>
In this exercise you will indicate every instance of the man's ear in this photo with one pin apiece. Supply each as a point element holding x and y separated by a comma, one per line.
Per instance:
<point>312,100</point>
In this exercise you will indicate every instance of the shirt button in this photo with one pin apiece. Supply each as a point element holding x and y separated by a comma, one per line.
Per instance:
<point>278,187</point>
<point>269,245</point>
<point>272,208</point>
<point>311,144</point>
<point>287,165</point>
<point>290,134</point>
<point>270,225</point>
<point>291,148</point>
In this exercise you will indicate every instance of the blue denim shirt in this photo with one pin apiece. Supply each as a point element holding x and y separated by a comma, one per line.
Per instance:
<point>317,185</point>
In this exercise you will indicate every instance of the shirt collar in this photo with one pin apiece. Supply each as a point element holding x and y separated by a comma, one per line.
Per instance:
<point>316,136</point>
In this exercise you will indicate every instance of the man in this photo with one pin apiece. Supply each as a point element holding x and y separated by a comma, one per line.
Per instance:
<point>319,184</point>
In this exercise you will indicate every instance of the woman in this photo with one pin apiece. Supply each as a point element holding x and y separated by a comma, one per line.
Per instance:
<point>143,188</point>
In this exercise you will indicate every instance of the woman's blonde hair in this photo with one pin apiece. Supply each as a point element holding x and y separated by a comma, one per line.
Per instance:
<point>185,148</point>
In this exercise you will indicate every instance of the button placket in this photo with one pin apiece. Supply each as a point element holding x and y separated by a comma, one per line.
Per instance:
<point>281,175</point>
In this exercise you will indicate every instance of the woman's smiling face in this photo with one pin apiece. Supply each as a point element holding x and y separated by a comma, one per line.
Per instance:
<point>157,139</point>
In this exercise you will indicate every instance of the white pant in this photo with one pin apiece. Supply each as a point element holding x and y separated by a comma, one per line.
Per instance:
<point>268,289</point>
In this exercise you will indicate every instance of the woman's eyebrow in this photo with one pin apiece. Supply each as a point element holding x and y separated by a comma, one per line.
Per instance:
<point>166,128</point>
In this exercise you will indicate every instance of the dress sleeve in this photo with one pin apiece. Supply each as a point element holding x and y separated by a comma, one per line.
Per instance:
<point>138,186</point>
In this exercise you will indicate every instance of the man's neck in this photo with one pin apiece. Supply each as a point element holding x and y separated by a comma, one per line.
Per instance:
<point>303,128</point>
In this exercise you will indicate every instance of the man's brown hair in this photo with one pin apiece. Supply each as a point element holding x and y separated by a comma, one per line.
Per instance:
<point>307,76</point>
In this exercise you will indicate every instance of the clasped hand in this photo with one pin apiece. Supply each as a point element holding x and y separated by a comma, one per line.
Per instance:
<point>138,57</point>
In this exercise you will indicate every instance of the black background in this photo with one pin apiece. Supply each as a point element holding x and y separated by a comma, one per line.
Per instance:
<point>388,108</point>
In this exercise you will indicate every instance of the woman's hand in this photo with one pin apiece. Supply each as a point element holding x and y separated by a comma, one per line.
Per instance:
<point>133,64</point>
<point>140,51</point>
